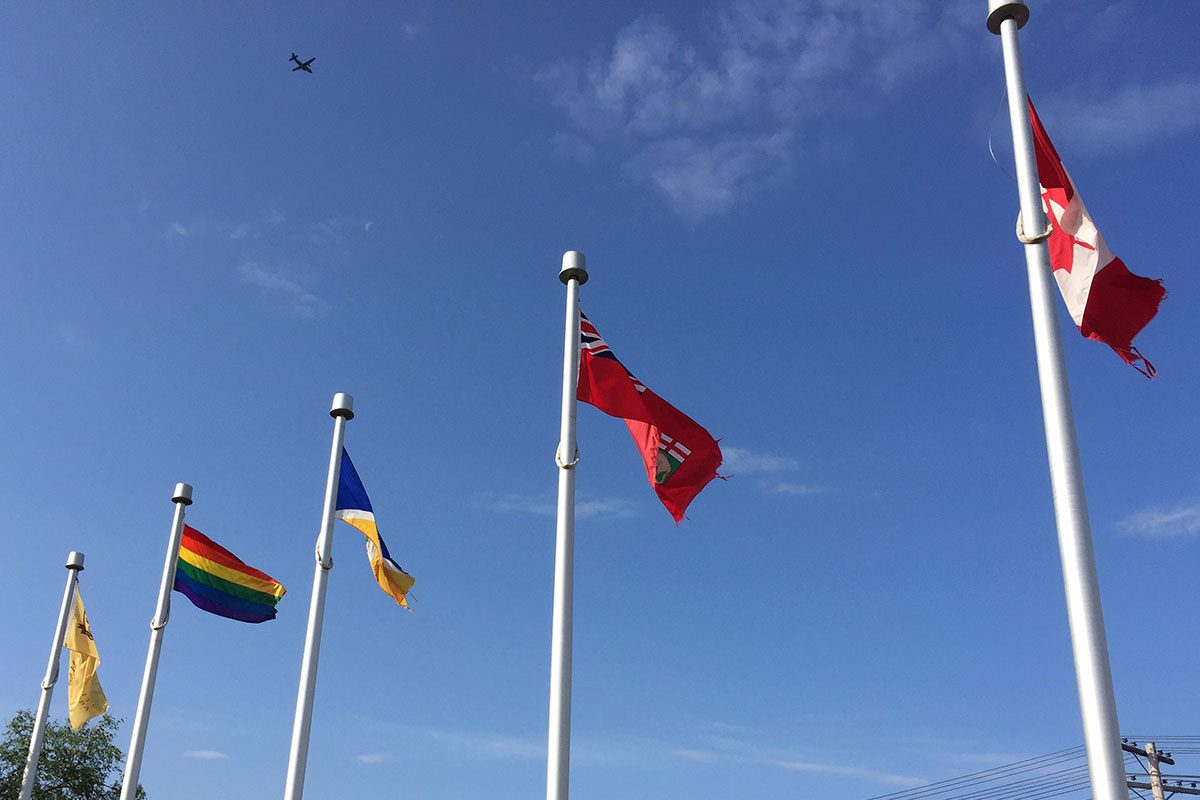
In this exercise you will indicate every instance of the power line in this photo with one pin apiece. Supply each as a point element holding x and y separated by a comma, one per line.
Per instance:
<point>1059,774</point>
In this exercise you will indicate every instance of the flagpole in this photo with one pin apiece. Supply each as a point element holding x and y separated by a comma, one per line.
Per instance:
<point>182,498</point>
<point>74,567</point>
<point>1093,674</point>
<point>342,411</point>
<point>558,753</point>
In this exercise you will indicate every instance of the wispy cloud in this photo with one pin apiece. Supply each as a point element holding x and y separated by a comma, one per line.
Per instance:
<point>711,743</point>
<point>797,489</point>
<point>739,460</point>
<point>1160,522</point>
<point>1108,119</point>
<point>611,752</point>
<point>259,226</point>
<point>822,768</point>
<point>476,744</point>
<point>727,749</point>
<point>68,337</point>
<point>546,506</point>
<point>337,229</point>
<point>373,758</point>
<point>708,121</point>
<point>181,230</point>
<point>274,283</point>
<point>205,755</point>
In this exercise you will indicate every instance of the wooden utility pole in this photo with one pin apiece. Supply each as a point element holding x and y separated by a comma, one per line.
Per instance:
<point>1153,757</point>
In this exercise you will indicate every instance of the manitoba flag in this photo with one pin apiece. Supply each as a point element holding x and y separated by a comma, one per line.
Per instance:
<point>680,456</point>
<point>1108,302</point>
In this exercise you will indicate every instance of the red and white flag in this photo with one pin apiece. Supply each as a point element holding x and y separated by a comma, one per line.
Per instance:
<point>679,455</point>
<point>1108,302</point>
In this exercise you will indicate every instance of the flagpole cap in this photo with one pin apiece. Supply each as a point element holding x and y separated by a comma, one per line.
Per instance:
<point>75,560</point>
<point>1000,10</point>
<point>573,266</point>
<point>183,494</point>
<point>343,406</point>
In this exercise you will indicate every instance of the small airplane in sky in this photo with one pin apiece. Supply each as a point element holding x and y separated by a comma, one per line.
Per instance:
<point>302,65</point>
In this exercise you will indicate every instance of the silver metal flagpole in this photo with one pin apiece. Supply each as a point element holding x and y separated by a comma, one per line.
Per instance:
<point>182,498</point>
<point>558,754</point>
<point>74,567</point>
<point>342,411</point>
<point>1092,672</point>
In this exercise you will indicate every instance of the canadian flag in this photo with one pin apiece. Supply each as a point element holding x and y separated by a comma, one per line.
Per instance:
<point>1108,302</point>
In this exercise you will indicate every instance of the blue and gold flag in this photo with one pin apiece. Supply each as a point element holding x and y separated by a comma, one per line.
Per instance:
<point>354,508</point>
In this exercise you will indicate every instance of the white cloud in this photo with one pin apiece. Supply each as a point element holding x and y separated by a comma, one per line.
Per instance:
<point>518,504</point>
<point>260,225</point>
<point>547,506</point>
<point>1110,119</point>
<point>727,749</point>
<point>1158,522</point>
<point>712,743</point>
<point>372,758</point>
<point>273,283</point>
<point>699,756</point>
<point>710,121</point>
<point>336,230</point>
<point>702,178</point>
<point>738,460</point>
<point>604,507</point>
<point>476,743</point>
<point>797,489</point>
<point>205,755</point>
<point>821,768</point>
<point>183,231</point>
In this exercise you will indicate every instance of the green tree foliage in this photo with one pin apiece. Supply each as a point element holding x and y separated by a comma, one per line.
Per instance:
<point>75,765</point>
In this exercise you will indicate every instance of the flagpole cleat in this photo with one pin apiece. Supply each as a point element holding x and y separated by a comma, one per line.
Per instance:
<point>343,406</point>
<point>1036,238</point>
<point>566,464</point>
<point>1000,10</point>
<point>573,266</point>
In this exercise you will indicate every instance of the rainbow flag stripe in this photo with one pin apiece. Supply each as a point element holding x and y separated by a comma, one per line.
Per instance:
<point>219,582</point>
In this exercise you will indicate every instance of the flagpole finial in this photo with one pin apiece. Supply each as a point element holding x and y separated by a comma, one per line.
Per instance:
<point>1000,10</point>
<point>75,560</point>
<point>183,494</point>
<point>573,266</point>
<point>343,406</point>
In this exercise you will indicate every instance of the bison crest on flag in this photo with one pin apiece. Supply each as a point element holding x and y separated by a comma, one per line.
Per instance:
<point>670,458</point>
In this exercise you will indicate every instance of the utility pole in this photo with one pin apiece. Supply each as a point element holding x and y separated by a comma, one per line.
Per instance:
<point>1153,758</point>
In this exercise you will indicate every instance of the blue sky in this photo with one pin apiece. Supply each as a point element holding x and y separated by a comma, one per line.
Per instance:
<point>795,234</point>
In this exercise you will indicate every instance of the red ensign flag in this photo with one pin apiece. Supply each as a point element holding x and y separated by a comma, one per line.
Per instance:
<point>680,456</point>
<point>1108,302</point>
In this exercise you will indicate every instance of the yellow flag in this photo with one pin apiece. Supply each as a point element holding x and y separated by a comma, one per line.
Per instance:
<point>85,697</point>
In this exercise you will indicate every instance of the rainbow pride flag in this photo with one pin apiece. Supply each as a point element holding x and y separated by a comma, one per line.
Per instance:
<point>219,582</point>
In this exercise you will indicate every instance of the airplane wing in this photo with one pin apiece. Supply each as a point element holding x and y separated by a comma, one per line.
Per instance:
<point>301,67</point>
